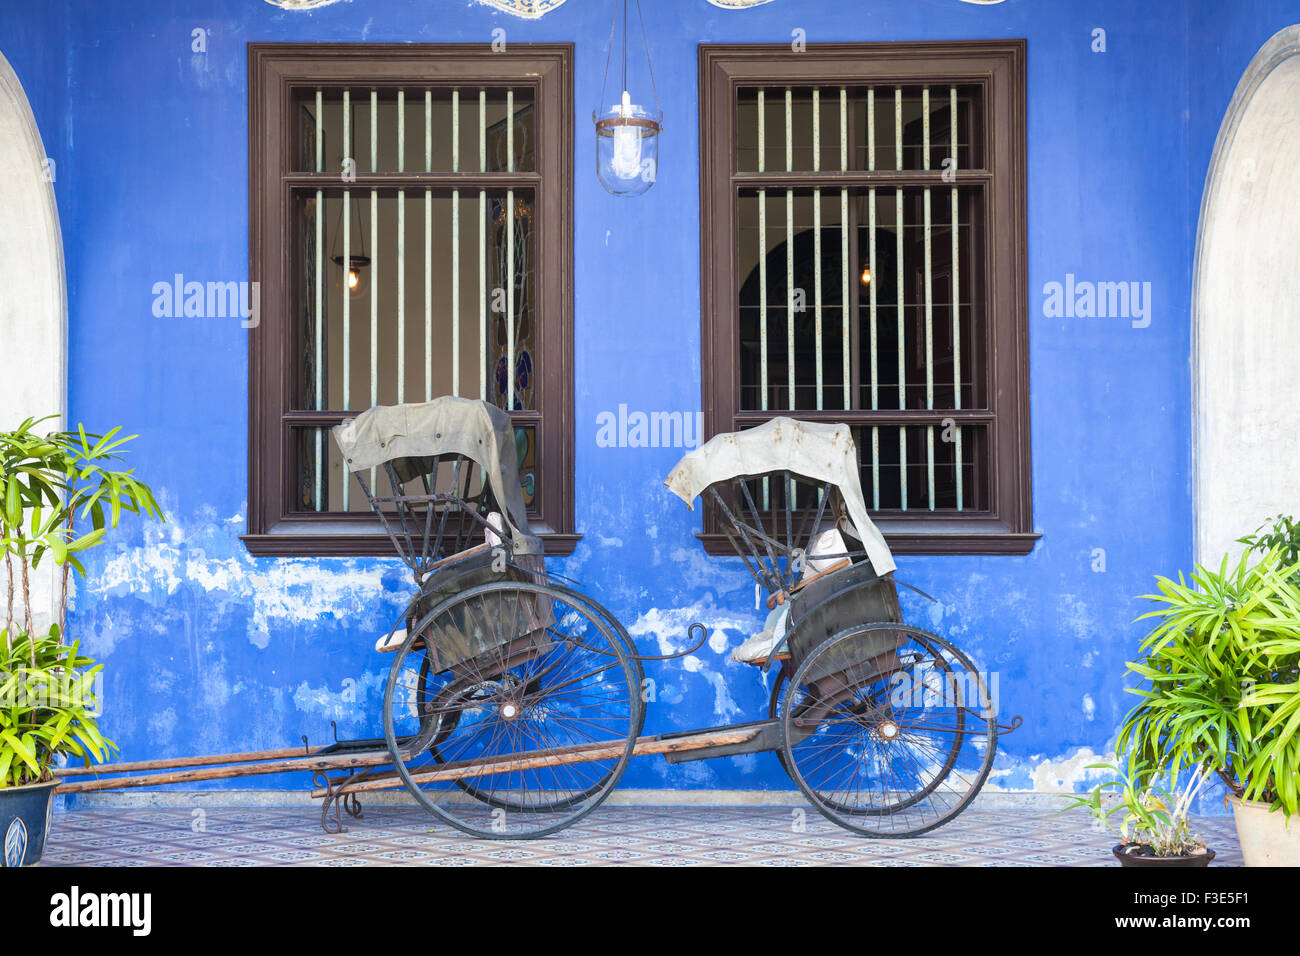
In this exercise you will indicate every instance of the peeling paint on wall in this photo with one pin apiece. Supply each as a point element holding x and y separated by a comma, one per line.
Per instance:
<point>202,554</point>
<point>669,630</point>
<point>209,650</point>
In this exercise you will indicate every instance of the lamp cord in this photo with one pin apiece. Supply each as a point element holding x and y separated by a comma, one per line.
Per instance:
<point>609,52</point>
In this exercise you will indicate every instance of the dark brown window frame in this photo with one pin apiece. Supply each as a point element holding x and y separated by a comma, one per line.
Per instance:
<point>275,72</point>
<point>999,66</point>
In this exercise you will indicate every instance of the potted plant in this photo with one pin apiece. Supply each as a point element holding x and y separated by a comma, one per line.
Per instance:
<point>1221,672</point>
<point>1154,829</point>
<point>51,486</point>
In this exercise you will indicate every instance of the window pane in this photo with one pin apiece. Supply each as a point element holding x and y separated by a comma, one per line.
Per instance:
<point>860,103</point>
<point>387,323</point>
<point>767,262</point>
<point>901,455</point>
<point>402,147</point>
<point>926,371</point>
<point>896,474</point>
<point>782,257</point>
<point>320,477</point>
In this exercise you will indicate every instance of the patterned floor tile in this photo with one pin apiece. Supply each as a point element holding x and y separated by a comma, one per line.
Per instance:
<point>628,836</point>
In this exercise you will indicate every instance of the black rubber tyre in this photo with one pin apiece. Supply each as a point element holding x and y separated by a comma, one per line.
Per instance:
<point>566,802</point>
<point>512,715</point>
<point>895,746</point>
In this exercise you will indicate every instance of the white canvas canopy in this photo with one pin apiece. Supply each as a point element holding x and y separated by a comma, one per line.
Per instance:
<point>820,452</point>
<point>404,434</point>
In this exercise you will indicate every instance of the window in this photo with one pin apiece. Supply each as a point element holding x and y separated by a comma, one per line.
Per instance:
<point>863,261</point>
<point>412,236</point>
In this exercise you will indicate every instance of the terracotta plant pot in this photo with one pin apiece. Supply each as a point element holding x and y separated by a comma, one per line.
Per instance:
<point>1123,853</point>
<point>1266,838</point>
<point>24,822</point>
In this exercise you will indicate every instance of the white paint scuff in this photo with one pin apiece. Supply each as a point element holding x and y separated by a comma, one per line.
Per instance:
<point>669,629</point>
<point>279,593</point>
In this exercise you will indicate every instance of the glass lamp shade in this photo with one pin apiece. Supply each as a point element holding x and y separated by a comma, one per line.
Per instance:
<point>627,148</point>
<point>356,277</point>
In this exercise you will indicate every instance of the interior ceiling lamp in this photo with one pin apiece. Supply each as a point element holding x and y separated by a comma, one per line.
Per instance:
<point>627,135</point>
<point>354,278</point>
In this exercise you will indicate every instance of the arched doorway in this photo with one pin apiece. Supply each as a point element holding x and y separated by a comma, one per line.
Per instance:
<point>33,307</point>
<point>1246,309</point>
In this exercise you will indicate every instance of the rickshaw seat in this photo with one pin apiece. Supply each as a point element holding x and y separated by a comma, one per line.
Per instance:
<point>449,566</point>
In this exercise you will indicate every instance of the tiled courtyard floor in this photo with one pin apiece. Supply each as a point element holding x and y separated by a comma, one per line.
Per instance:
<point>673,836</point>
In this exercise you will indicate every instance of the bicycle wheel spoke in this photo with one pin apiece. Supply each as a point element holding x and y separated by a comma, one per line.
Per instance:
<point>876,762</point>
<point>501,725</point>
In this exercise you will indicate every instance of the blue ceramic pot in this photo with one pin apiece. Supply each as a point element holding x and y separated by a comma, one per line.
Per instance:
<point>25,822</point>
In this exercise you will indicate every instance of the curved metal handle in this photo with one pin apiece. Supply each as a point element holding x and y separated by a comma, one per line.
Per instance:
<point>704,636</point>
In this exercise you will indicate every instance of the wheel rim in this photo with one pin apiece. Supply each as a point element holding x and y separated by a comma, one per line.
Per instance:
<point>775,702</point>
<point>895,747</point>
<point>500,715</point>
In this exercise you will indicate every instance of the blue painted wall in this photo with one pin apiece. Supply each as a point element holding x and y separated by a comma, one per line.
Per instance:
<point>1224,39</point>
<point>207,649</point>
<point>34,40</point>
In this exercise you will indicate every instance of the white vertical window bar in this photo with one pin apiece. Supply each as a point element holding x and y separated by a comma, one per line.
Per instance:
<point>762,269</point>
<point>374,255</point>
<point>789,249</point>
<point>762,253</point>
<point>871,298</point>
<point>956,291</point>
<point>817,243</point>
<point>455,245</point>
<point>347,266</point>
<point>482,248</point>
<point>844,246</point>
<point>401,250</point>
<point>374,261</point>
<point>428,249</point>
<point>929,299</point>
<point>902,326</point>
<point>320,297</point>
<point>510,254</point>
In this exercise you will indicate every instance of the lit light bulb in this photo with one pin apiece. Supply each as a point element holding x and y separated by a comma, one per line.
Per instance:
<point>352,275</point>
<point>627,144</point>
<point>866,275</point>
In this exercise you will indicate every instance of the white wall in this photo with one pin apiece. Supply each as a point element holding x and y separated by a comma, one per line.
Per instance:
<point>1246,309</point>
<point>33,304</point>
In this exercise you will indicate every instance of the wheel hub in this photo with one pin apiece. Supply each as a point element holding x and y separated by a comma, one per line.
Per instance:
<point>888,730</point>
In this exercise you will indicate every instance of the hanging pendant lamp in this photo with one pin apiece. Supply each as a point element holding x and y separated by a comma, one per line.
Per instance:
<point>353,274</point>
<point>627,135</point>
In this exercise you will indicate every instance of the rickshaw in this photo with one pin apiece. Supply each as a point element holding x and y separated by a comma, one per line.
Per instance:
<point>515,700</point>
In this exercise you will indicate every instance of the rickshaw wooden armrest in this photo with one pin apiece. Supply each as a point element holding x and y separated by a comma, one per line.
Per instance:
<point>773,659</point>
<point>459,556</point>
<point>780,597</point>
<point>838,566</point>
<point>390,644</point>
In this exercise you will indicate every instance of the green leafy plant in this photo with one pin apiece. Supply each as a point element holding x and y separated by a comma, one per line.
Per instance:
<point>60,492</point>
<point>1281,534</point>
<point>1221,679</point>
<point>47,708</point>
<point>1151,814</point>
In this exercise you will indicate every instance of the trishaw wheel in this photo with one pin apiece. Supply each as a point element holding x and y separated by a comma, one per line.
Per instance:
<point>774,701</point>
<point>511,710</point>
<point>888,729</point>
